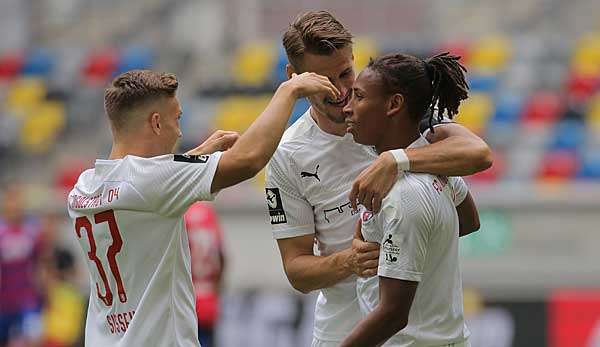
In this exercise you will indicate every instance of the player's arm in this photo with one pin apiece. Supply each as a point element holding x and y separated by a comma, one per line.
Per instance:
<point>389,317</point>
<point>454,151</point>
<point>307,272</point>
<point>468,217</point>
<point>255,147</point>
<point>219,141</point>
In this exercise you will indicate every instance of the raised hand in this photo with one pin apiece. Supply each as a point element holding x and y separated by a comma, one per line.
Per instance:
<point>220,140</point>
<point>310,83</point>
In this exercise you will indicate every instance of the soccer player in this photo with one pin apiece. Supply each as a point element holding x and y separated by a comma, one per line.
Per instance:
<point>310,177</point>
<point>417,298</point>
<point>128,210</point>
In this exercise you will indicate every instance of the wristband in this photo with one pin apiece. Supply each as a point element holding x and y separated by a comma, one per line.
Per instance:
<point>401,159</point>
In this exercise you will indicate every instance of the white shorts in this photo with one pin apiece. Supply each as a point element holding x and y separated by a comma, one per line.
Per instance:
<point>458,344</point>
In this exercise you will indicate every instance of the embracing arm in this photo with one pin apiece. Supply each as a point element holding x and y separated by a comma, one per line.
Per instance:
<point>468,217</point>
<point>307,272</point>
<point>389,317</point>
<point>455,151</point>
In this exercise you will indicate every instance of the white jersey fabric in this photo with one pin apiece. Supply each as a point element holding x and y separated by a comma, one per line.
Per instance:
<point>128,218</point>
<point>307,186</point>
<point>418,232</point>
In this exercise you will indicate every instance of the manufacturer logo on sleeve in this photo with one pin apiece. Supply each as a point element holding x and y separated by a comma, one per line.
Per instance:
<point>276,212</point>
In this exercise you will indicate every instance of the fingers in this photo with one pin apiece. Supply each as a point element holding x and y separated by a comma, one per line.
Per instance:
<point>368,200</point>
<point>357,231</point>
<point>368,273</point>
<point>364,247</point>
<point>353,195</point>
<point>376,203</point>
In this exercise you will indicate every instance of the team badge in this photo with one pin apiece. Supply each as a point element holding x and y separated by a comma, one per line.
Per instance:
<point>188,158</point>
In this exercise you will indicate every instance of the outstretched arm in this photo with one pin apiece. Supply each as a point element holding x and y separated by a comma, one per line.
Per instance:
<point>455,151</point>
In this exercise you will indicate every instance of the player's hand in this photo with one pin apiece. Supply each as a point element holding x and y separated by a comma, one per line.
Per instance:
<point>310,83</point>
<point>364,258</point>
<point>220,140</point>
<point>374,183</point>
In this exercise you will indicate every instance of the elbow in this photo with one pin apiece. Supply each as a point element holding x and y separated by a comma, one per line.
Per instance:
<point>299,285</point>
<point>484,158</point>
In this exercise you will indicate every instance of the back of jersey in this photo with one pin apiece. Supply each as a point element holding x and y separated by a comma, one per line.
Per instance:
<point>127,216</point>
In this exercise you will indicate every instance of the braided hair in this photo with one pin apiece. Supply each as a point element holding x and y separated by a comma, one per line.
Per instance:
<point>438,81</point>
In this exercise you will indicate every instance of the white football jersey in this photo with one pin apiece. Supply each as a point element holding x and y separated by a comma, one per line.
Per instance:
<point>128,218</point>
<point>307,186</point>
<point>418,232</point>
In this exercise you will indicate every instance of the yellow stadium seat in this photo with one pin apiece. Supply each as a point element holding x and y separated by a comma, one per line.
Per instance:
<point>586,57</point>
<point>253,63</point>
<point>593,114</point>
<point>475,112</point>
<point>490,54</point>
<point>25,94</point>
<point>41,126</point>
<point>238,112</point>
<point>364,48</point>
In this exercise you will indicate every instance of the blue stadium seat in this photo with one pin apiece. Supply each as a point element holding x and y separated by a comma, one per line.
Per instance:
<point>568,135</point>
<point>279,73</point>
<point>38,62</point>
<point>299,109</point>
<point>508,108</point>
<point>590,164</point>
<point>135,58</point>
<point>485,83</point>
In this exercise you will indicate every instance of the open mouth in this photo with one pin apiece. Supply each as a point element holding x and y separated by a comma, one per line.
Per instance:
<point>339,102</point>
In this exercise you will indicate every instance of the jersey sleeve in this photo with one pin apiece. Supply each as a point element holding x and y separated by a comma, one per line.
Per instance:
<point>289,212</point>
<point>459,189</point>
<point>424,128</point>
<point>171,183</point>
<point>405,242</point>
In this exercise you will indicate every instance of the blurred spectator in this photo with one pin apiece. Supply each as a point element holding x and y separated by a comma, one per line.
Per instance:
<point>63,314</point>
<point>20,248</point>
<point>208,262</point>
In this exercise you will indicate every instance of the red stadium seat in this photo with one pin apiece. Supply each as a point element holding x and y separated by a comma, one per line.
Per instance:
<point>542,108</point>
<point>100,66</point>
<point>10,65</point>
<point>582,86</point>
<point>559,166</point>
<point>492,174</point>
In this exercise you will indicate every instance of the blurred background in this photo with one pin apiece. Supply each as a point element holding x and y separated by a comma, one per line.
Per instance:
<point>531,274</point>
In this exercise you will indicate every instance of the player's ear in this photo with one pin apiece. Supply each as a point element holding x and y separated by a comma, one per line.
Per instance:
<point>155,122</point>
<point>395,104</point>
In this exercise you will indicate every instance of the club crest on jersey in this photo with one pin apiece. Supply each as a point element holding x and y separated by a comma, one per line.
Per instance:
<point>391,250</point>
<point>188,158</point>
<point>276,211</point>
<point>366,215</point>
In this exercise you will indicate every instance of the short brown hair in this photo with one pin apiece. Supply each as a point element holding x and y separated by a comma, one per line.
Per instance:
<point>316,32</point>
<point>134,88</point>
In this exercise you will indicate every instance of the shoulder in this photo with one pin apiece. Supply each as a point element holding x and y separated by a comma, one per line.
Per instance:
<point>408,195</point>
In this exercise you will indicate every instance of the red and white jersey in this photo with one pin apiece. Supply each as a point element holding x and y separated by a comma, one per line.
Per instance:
<point>128,218</point>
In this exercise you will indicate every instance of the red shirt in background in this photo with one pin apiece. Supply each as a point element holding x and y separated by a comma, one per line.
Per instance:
<point>206,247</point>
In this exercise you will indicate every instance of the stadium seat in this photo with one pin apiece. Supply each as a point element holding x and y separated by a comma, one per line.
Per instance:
<point>482,83</point>
<point>10,65</point>
<point>475,112</point>
<point>135,58</point>
<point>41,128</point>
<point>253,62</point>
<point>586,57</point>
<point>299,109</point>
<point>459,48</point>
<point>38,62</point>
<point>558,166</point>
<point>238,112</point>
<point>593,113</point>
<point>490,54</point>
<point>364,49</point>
<point>100,66</point>
<point>581,87</point>
<point>569,135</point>
<point>24,94</point>
<point>542,108</point>
<point>508,108</point>
<point>590,164</point>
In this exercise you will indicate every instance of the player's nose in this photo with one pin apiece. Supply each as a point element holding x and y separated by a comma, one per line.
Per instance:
<point>347,110</point>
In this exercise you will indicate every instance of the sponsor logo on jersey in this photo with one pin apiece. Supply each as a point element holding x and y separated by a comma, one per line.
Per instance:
<point>366,215</point>
<point>276,211</point>
<point>390,250</point>
<point>188,158</point>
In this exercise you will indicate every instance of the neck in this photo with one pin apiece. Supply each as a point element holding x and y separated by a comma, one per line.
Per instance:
<point>399,135</point>
<point>326,124</point>
<point>144,149</point>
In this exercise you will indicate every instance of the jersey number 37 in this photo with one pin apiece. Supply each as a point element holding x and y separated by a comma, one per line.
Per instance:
<point>111,254</point>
